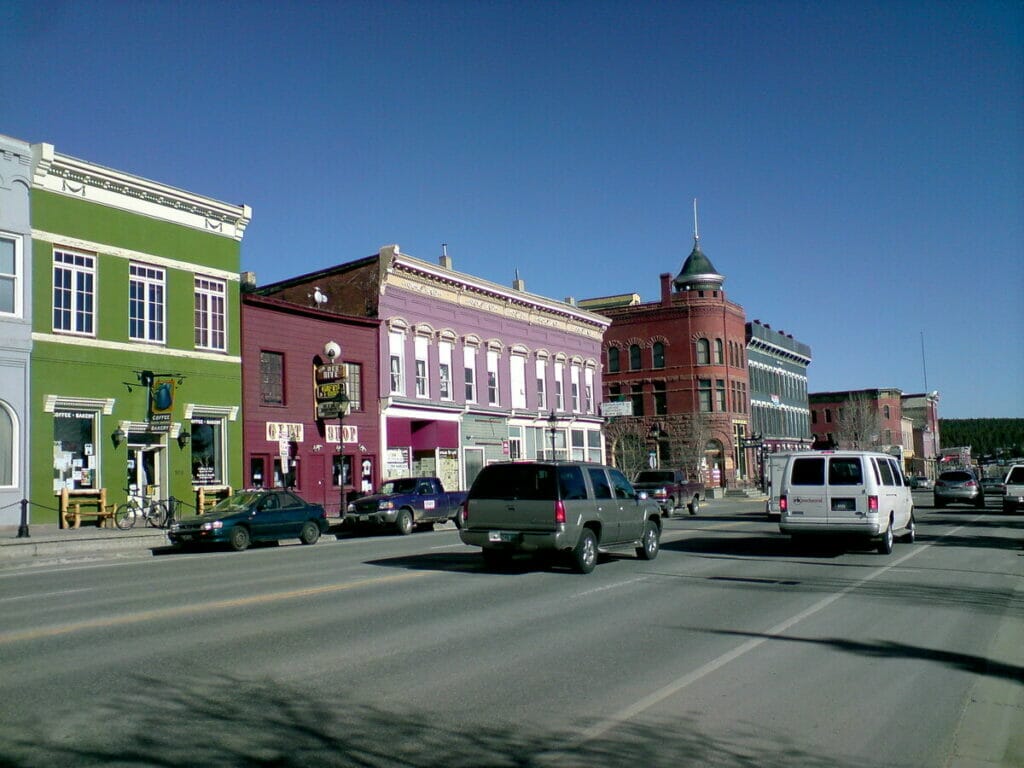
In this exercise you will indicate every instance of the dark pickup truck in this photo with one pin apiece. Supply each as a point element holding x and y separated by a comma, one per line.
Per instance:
<point>671,489</point>
<point>406,503</point>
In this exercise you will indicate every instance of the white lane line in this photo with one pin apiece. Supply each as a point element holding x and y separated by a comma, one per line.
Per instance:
<point>656,697</point>
<point>44,594</point>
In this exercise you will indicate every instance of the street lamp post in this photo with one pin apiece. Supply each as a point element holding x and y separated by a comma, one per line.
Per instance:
<point>553,429</point>
<point>653,436</point>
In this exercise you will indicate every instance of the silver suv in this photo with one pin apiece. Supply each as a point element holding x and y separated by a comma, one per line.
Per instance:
<point>958,486</point>
<point>575,509</point>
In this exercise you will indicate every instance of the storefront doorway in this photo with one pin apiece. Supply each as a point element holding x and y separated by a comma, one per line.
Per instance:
<point>146,467</point>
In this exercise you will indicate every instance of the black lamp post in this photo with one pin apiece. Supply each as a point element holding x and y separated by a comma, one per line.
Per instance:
<point>553,429</point>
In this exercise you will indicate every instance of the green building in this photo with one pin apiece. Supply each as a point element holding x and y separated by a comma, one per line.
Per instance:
<point>136,358</point>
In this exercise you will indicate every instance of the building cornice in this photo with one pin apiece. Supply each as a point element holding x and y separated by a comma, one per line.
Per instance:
<point>71,177</point>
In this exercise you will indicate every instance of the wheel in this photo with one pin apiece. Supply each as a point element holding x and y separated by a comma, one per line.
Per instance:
<point>674,506</point>
<point>885,545</point>
<point>239,538</point>
<point>911,533</point>
<point>694,505</point>
<point>650,541</point>
<point>404,522</point>
<point>124,515</point>
<point>584,555</point>
<point>157,516</point>
<point>309,533</point>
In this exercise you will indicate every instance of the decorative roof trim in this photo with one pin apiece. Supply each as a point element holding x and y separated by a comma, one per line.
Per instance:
<point>102,404</point>
<point>69,176</point>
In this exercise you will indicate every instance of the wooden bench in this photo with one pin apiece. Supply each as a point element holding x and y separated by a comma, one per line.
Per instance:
<point>74,505</point>
<point>207,496</point>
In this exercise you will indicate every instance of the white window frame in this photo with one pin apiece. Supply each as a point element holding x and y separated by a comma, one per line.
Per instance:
<point>421,344</point>
<point>517,379</point>
<point>493,380</point>
<point>152,282</point>
<point>9,453</point>
<point>14,278</point>
<point>81,313</point>
<point>211,318</point>
<point>542,384</point>
<point>574,385</point>
<point>559,394</point>
<point>469,372</point>
<point>396,362</point>
<point>444,370</point>
<point>588,389</point>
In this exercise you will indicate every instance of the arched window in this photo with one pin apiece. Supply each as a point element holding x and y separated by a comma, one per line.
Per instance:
<point>658,355</point>
<point>613,360</point>
<point>634,357</point>
<point>718,351</point>
<point>6,447</point>
<point>703,352</point>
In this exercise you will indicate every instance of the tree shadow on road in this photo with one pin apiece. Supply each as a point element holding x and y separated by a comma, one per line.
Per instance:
<point>222,721</point>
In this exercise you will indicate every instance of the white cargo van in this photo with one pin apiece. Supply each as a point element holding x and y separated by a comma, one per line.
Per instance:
<point>846,492</point>
<point>774,467</point>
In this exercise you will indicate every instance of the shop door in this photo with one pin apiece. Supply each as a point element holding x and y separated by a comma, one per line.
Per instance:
<point>314,486</point>
<point>145,472</point>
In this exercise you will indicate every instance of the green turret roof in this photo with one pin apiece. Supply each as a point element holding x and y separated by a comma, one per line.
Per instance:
<point>697,272</point>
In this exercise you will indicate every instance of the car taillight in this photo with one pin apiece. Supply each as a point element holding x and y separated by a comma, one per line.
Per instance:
<point>783,503</point>
<point>970,484</point>
<point>872,503</point>
<point>559,512</point>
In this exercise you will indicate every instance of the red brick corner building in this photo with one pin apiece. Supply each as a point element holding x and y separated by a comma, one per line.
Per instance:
<point>682,363</point>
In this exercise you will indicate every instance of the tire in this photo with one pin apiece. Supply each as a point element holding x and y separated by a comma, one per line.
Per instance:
<point>239,538</point>
<point>404,522</point>
<point>124,516</point>
<point>911,534</point>
<point>157,514</point>
<point>694,505</point>
<point>584,554</point>
<point>675,505</point>
<point>310,533</point>
<point>885,544</point>
<point>650,541</point>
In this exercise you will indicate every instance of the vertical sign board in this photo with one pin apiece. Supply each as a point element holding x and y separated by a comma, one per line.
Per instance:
<point>329,390</point>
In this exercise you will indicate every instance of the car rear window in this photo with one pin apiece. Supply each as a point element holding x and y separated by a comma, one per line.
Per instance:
<point>1016,475</point>
<point>648,476</point>
<point>956,477</point>
<point>845,470</point>
<point>810,471</point>
<point>515,481</point>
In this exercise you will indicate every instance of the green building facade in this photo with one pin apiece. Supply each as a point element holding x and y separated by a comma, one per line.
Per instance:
<point>136,356</point>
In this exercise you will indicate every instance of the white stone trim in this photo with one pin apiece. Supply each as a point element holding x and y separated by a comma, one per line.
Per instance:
<point>69,176</point>
<point>229,412</point>
<point>136,347</point>
<point>104,405</point>
<point>96,249</point>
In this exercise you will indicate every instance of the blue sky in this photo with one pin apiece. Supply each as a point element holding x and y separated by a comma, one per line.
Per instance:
<point>859,166</point>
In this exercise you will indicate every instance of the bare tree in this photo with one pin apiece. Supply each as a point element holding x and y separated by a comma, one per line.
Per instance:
<point>859,426</point>
<point>687,435</point>
<point>627,443</point>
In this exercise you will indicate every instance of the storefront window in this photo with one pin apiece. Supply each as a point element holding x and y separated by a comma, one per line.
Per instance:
<point>207,448</point>
<point>74,450</point>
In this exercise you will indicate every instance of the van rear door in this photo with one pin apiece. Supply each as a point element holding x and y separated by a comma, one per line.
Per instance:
<point>846,497</point>
<point>806,490</point>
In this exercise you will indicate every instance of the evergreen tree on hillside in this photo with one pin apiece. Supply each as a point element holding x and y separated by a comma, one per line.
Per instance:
<point>987,437</point>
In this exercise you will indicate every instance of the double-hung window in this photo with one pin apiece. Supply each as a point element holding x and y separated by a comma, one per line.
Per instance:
<point>574,385</point>
<point>469,372</point>
<point>542,384</point>
<point>422,386</point>
<point>396,358</point>
<point>559,395</point>
<point>588,389</point>
<point>271,378</point>
<point>492,377</point>
<point>211,318</point>
<point>10,274</point>
<point>517,379</point>
<point>74,292</point>
<point>444,365</point>
<point>146,303</point>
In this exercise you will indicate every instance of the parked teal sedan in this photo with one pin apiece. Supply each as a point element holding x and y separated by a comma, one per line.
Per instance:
<point>248,516</point>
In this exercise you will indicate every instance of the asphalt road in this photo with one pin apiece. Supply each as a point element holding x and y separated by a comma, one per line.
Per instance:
<point>732,648</point>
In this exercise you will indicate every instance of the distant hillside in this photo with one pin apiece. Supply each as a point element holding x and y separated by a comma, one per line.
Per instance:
<point>985,436</point>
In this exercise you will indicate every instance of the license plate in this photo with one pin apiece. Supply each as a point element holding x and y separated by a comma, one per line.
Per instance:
<point>363,518</point>
<point>844,505</point>
<point>185,536</point>
<point>499,536</point>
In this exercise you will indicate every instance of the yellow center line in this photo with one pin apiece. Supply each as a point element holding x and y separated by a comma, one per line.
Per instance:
<point>185,610</point>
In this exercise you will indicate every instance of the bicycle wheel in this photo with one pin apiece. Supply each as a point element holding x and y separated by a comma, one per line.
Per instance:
<point>125,514</point>
<point>157,516</point>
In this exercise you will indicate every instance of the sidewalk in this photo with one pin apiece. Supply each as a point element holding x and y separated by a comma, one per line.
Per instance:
<point>49,542</point>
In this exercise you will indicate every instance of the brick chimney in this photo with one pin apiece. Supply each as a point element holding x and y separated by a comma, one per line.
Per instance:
<point>666,288</point>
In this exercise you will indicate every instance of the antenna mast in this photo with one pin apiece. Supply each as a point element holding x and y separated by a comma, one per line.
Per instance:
<point>696,234</point>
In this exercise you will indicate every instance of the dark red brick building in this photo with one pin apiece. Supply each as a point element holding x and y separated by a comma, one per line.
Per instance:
<point>284,443</point>
<point>681,362</point>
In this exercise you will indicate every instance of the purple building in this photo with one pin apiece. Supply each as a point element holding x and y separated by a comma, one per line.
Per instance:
<point>471,372</point>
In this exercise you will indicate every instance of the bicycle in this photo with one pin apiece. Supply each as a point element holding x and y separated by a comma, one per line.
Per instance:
<point>153,511</point>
